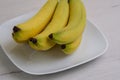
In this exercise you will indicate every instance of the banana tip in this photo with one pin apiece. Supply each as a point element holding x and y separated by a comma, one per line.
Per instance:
<point>16,29</point>
<point>33,40</point>
<point>51,36</point>
<point>63,46</point>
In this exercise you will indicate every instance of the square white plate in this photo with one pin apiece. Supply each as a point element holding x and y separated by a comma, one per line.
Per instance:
<point>93,45</point>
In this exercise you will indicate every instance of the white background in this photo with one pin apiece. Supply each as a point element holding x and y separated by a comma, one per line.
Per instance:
<point>105,13</point>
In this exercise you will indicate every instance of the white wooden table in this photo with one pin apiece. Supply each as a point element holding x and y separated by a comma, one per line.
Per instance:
<point>105,13</point>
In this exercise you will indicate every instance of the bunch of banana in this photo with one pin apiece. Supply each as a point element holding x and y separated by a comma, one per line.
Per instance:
<point>59,23</point>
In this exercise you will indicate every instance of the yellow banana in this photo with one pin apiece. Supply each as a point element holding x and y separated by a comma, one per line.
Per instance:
<point>71,47</point>
<point>59,20</point>
<point>75,25</point>
<point>22,32</point>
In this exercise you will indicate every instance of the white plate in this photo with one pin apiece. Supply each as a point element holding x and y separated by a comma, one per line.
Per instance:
<point>93,45</point>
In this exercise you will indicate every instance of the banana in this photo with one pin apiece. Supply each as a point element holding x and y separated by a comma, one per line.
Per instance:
<point>71,47</point>
<point>58,22</point>
<point>75,25</point>
<point>22,32</point>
